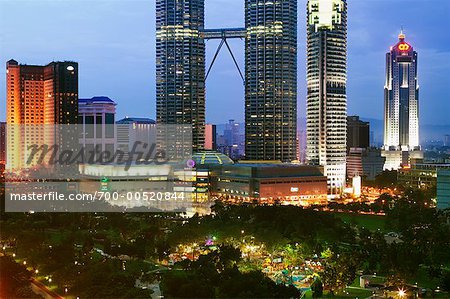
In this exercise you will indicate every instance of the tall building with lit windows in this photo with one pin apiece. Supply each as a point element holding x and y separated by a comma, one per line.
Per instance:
<point>326,89</point>
<point>36,96</point>
<point>271,80</point>
<point>401,105</point>
<point>180,66</point>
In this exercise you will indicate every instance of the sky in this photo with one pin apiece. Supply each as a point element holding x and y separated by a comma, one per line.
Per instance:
<point>114,43</point>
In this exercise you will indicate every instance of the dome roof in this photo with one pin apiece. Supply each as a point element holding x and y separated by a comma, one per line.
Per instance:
<point>211,157</point>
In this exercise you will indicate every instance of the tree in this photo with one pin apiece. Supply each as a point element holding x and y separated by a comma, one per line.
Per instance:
<point>317,288</point>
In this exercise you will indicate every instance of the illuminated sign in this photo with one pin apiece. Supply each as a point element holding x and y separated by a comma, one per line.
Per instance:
<point>403,47</point>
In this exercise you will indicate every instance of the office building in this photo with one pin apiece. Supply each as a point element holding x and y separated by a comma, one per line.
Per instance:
<point>419,174</point>
<point>3,143</point>
<point>271,80</point>
<point>96,117</point>
<point>401,105</point>
<point>443,189</point>
<point>365,162</point>
<point>210,137</point>
<point>36,96</point>
<point>134,134</point>
<point>180,66</point>
<point>358,132</point>
<point>326,89</point>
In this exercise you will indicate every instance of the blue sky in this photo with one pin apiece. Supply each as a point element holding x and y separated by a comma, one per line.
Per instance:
<point>114,43</point>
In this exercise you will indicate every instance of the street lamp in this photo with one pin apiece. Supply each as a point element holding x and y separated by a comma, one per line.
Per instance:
<point>401,293</point>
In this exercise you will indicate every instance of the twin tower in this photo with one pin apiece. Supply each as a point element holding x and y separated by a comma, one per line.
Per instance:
<point>270,77</point>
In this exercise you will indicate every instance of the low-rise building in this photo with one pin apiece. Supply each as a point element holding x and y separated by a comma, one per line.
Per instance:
<point>443,189</point>
<point>367,163</point>
<point>268,183</point>
<point>420,175</point>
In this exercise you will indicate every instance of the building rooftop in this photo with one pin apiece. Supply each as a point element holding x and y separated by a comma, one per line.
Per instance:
<point>211,157</point>
<point>98,99</point>
<point>137,120</point>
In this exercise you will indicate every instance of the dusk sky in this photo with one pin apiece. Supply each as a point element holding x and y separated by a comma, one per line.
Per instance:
<point>114,43</point>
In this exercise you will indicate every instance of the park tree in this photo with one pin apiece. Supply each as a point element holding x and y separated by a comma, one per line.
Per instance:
<point>317,288</point>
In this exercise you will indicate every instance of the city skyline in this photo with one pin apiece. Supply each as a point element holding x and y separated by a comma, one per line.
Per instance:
<point>104,77</point>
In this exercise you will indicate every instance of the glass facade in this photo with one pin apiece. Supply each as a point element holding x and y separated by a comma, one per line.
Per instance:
<point>180,66</point>
<point>271,80</point>
<point>326,88</point>
<point>443,189</point>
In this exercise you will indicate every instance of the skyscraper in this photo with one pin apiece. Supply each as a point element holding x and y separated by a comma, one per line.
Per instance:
<point>271,80</point>
<point>2,142</point>
<point>180,66</point>
<point>326,88</point>
<point>401,105</point>
<point>39,95</point>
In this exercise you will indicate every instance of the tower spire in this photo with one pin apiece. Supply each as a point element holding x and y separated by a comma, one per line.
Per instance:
<point>402,35</point>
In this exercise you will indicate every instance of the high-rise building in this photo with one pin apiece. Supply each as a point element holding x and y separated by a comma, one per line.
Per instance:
<point>2,142</point>
<point>401,105</point>
<point>358,132</point>
<point>326,89</point>
<point>38,95</point>
<point>210,137</point>
<point>96,117</point>
<point>180,66</point>
<point>271,80</point>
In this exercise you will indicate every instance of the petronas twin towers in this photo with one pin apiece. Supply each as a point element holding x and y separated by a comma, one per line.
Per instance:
<point>270,35</point>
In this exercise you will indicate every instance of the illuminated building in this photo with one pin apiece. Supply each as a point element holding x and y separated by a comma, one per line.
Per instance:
<point>2,143</point>
<point>38,95</point>
<point>401,105</point>
<point>443,189</point>
<point>268,183</point>
<point>270,72</point>
<point>232,142</point>
<point>135,132</point>
<point>326,89</point>
<point>271,80</point>
<point>97,118</point>
<point>358,132</point>
<point>180,66</point>
<point>210,137</point>
<point>419,174</point>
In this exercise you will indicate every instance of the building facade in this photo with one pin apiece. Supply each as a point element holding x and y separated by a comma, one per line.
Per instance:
<point>210,137</point>
<point>180,66</point>
<point>135,134</point>
<point>420,175</point>
<point>3,143</point>
<point>443,189</point>
<point>269,183</point>
<point>358,133</point>
<point>96,117</point>
<point>37,96</point>
<point>326,89</point>
<point>271,80</point>
<point>401,104</point>
<point>365,162</point>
